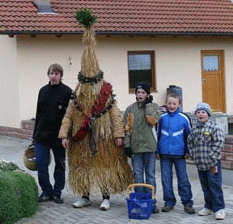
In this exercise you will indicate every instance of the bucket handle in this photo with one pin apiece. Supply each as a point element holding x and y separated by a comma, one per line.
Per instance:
<point>141,185</point>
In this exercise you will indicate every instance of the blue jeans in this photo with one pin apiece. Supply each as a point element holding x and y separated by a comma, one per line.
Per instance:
<point>42,158</point>
<point>184,187</point>
<point>212,188</point>
<point>144,162</point>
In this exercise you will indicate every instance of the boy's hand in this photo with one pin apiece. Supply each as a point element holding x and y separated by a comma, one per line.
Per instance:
<point>187,156</point>
<point>65,143</point>
<point>151,120</point>
<point>214,170</point>
<point>149,99</point>
<point>118,141</point>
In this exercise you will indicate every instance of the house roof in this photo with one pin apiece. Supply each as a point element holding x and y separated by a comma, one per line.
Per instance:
<point>136,17</point>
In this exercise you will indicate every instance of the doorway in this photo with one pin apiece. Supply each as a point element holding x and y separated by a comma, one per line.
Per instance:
<point>213,79</point>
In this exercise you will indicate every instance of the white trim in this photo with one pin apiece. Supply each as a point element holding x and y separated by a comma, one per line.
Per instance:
<point>163,132</point>
<point>185,116</point>
<point>178,132</point>
<point>154,133</point>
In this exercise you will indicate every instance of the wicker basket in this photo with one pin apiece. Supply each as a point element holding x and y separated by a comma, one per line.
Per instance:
<point>29,158</point>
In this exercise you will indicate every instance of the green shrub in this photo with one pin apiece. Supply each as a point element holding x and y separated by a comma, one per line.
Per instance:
<point>8,166</point>
<point>18,195</point>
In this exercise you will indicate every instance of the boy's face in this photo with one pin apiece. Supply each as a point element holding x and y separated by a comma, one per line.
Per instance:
<point>141,95</point>
<point>54,77</point>
<point>173,104</point>
<point>202,115</point>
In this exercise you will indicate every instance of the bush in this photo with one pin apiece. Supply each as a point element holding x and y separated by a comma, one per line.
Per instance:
<point>18,194</point>
<point>8,166</point>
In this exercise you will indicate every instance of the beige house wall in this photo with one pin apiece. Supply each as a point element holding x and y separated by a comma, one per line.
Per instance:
<point>177,61</point>
<point>9,88</point>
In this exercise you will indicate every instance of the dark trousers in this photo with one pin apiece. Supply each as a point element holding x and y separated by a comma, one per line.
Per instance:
<point>212,188</point>
<point>42,158</point>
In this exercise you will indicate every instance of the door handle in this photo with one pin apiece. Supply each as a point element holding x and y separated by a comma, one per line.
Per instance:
<point>203,80</point>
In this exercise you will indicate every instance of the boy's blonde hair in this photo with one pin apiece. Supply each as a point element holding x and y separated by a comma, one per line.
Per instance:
<point>174,95</point>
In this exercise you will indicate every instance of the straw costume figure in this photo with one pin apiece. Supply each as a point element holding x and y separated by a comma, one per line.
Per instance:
<point>95,155</point>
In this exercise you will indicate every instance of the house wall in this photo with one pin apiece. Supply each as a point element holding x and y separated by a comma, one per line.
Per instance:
<point>9,88</point>
<point>177,60</point>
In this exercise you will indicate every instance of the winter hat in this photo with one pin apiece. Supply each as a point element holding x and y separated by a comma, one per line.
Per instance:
<point>203,106</point>
<point>143,85</point>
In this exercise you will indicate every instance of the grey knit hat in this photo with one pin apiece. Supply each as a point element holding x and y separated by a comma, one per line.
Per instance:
<point>203,106</point>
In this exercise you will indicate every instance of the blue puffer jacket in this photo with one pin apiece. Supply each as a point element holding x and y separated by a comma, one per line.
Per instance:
<point>173,131</point>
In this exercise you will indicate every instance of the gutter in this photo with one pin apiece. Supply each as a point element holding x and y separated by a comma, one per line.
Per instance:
<point>12,33</point>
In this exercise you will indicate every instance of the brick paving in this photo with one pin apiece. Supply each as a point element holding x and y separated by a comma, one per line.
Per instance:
<point>11,149</point>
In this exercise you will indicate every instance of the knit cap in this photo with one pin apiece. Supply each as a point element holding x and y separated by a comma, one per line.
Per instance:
<point>143,85</point>
<point>203,106</point>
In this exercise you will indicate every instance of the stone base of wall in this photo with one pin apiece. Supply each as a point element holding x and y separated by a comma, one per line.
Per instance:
<point>25,132</point>
<point>227,153</point>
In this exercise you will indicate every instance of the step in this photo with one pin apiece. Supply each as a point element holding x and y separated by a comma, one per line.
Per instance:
<point>16,132</point>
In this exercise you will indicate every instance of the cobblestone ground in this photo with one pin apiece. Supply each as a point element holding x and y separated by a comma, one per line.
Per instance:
<point>11,149</point>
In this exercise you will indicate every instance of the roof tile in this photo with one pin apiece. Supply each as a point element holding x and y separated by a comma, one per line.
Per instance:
<point>121,16</point>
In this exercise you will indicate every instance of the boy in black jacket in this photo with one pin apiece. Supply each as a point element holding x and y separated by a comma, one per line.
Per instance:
<point>52,102</point>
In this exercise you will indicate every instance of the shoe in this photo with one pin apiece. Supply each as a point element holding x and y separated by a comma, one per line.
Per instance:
<point>204,212</point>
<point>189,209</point>
<point>82,202</point>
<point>58,200</point>
<point>155,209</point>
<point>220,214</point>
<point>167,208</point>
<point>105,205</point>
<point>43,197</point>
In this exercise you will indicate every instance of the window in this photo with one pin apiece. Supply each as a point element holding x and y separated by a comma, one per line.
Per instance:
<point>210,62</point>
<point>141,68</point>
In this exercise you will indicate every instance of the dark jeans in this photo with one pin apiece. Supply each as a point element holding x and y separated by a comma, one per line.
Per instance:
<point>42,158</point>
<point>212,188</point>
<point>184,187</point>
<point>144,163</point>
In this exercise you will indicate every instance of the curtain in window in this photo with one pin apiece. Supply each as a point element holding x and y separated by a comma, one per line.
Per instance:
<point>140,62</point>
<point>210,63</point>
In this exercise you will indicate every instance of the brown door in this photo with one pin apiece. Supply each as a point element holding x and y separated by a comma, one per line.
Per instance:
<point>213,82</point>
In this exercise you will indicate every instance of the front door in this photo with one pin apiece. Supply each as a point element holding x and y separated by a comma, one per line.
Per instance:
<point>213,82</point>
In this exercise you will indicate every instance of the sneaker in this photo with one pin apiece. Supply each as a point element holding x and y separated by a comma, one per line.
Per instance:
<point>155,209</point>
<point>105,205</point>
<point>58,200</point>
<point>189,209</point>
<point>43,198</point>
<point>220,214</point>
<point>204,212</point>
<point>167,208</point>
<point>82,202</point>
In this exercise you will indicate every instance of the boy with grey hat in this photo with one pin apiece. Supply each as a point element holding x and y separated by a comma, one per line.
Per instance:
<point>205,143</point>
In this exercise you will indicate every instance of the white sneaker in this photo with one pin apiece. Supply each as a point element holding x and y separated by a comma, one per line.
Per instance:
<point>220,214</point>
<point>204,212</point>
<point>105,205</point>
<point>82,202</point>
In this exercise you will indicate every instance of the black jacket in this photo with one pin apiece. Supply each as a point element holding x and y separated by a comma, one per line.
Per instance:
<point>51,107</point>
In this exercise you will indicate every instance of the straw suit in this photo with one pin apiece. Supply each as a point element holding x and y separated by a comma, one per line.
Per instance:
<point>94,160</point>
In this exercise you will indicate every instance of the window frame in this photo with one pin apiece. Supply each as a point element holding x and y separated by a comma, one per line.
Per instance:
<point>152,56</point>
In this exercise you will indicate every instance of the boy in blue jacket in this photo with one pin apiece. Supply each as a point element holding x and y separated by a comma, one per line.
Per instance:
<point>174,128</point>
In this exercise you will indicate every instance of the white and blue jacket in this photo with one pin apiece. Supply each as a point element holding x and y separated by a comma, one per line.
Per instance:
<point>173,131</point>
